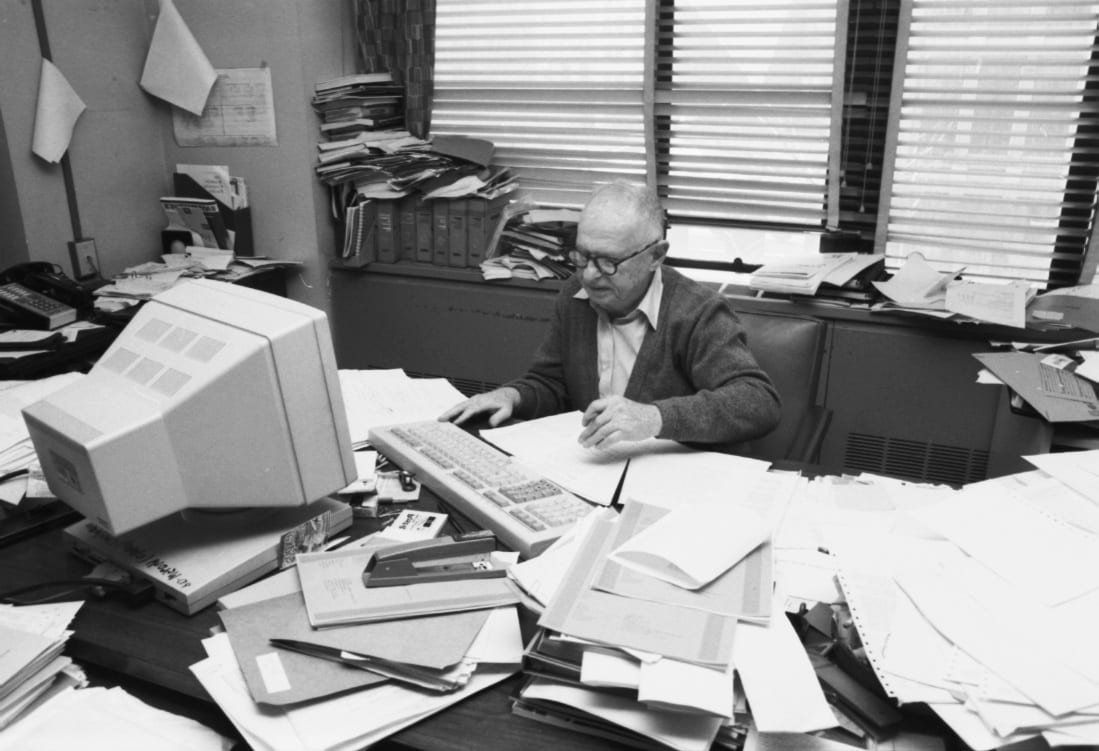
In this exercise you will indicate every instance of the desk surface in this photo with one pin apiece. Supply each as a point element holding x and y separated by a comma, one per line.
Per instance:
<point>155,644</point>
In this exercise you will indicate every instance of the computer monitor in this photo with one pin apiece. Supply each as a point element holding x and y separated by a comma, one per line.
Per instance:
<point>213,396</point>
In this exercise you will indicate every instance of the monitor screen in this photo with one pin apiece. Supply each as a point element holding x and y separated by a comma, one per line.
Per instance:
<point>213,396</point>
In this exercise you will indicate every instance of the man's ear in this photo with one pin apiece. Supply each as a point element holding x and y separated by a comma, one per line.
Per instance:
<point>659,252</point>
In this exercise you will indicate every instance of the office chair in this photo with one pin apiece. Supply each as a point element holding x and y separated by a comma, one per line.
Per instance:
<point>790,348</point>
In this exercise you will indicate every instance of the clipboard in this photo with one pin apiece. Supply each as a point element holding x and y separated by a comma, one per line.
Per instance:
<point>1057,395</point>
<point>443,559</point>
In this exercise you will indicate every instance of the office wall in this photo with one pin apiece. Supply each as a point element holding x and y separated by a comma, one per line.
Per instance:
<point>13,246</point>
<point>124,150</point>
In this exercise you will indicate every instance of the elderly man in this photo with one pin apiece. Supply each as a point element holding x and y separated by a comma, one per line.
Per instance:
<point>641,349</point>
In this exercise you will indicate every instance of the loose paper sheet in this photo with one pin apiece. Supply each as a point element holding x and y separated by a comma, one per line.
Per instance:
<point>693,544</point>
<point>373,398</point>
<point>58,109</point>
<point>549,446</point>
<point>743,591</point>
<point>987,301</point>
<point>917,284</point>
<point>176,68</point>
<point>1046,558</point>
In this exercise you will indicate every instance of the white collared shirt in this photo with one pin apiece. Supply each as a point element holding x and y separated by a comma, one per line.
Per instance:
<point>618,341</point>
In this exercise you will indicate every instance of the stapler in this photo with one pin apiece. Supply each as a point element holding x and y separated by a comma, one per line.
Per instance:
<point>444,559</point>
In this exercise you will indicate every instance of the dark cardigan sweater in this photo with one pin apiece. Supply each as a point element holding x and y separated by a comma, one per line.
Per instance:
<point>695,367</point>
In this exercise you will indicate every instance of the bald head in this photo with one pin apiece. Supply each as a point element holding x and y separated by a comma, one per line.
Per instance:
<point>629,211</point>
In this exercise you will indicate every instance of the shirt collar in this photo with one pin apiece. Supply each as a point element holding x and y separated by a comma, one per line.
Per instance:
<point>649,306</point>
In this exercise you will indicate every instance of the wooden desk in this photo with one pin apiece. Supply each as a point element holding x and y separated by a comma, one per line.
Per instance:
<point>150,647</point>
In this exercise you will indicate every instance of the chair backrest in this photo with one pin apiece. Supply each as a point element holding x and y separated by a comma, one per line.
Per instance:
<point>789,348</point>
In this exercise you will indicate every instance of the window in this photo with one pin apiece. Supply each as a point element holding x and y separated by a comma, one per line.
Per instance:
<point>783,118</point>
<point>991,137</point>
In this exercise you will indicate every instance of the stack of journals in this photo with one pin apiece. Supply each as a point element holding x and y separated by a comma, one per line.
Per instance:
<point>348,105</point>
<point>639,641</point>
<point>531,242</point>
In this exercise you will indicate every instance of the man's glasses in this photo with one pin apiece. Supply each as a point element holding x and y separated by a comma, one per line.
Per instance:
<point>606,266</point>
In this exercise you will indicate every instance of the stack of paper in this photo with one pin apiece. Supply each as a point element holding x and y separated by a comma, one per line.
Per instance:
<point>41,708</point>
<point>16,450</point>
<point>983,609</point>
<point>32,668</point>
<point>288,685</point>
<point>310,704</point>
<point>804,276</point>
<point>642,636</point>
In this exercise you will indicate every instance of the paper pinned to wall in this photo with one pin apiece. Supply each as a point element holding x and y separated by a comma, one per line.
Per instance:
<point>176,68</point>
<point>239,112</point>
<point>58,108</point>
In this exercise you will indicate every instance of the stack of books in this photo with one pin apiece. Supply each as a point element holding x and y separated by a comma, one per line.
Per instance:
<point>532,242</point>
<point>364,145</point>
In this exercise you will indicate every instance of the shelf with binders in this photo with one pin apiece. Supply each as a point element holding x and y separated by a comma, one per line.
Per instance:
<point>450,233</point>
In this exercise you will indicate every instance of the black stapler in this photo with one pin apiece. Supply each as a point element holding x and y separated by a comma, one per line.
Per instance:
<point>444,559</point>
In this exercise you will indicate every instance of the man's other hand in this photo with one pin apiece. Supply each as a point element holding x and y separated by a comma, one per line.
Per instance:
<point>498,403</point>
<point>616,418</point>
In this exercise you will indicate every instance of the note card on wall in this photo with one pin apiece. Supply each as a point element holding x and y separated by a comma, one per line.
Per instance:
<point>239,112</point>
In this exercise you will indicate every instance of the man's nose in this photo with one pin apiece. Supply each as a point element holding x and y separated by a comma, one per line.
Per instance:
<point>590,272</point>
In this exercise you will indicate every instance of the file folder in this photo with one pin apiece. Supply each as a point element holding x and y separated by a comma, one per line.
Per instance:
<point>237,221</point>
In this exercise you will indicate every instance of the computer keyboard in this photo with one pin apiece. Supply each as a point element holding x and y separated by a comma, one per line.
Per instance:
<point>526,511</point>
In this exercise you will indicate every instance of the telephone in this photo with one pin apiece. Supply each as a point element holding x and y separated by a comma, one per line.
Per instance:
<point>36,295</point>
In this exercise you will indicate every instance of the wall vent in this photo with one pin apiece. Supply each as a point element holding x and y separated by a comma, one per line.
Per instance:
<point>914,460</point>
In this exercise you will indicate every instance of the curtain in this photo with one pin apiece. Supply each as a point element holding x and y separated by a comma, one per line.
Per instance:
<point>398,36</point>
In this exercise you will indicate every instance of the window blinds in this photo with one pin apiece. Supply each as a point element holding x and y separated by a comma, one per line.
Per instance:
<point>747,108</point>
<point>557,85</point>
<point>727,105</point>
<point>995,126</point>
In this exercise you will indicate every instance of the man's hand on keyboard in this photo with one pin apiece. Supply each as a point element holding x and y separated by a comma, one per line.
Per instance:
<point>615,418</point>
<point>498,403</point>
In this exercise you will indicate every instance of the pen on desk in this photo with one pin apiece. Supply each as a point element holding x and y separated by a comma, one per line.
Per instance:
<point>13,474</point>
<point>402,672</point>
